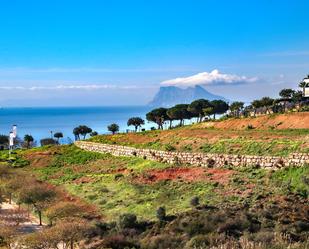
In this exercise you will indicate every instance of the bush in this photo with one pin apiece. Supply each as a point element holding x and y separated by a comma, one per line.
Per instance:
<point>94,133</point>
<point>48,141</point>
<point>305,108</point>
<point>250,127</point>
<point>162,242</point>
<point>117,242</point>
<point>169,147</point>
<point>195,201</point>
<point>161,214</point>
<point>198,241</point>
<point>127,221</point>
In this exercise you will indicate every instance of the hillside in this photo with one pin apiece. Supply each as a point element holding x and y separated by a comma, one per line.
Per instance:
<point>297,120</point>
<point>131,202</point>
<point>199,206</point>
<point>267,136</point>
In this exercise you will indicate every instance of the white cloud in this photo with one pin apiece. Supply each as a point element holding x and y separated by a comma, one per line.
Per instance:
<point>212,78</point>
<point>66,87</point>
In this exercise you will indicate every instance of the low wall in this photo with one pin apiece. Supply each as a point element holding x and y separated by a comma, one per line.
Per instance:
<point>198,159</point>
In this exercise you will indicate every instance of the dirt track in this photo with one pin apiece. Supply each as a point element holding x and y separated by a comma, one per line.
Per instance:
<point>28,223</point>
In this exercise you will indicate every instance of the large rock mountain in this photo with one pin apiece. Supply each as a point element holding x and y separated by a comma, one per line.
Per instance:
<point>171,95</point>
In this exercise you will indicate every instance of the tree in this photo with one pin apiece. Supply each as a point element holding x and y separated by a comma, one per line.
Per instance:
<point>12,186</point>
<point>158,116</point>
<point>286,93</point>
<point>297,97</point>
<point>81,130</point>
<point>94,133</point>
<point>28,140</point>
<point>236,107</point>
<point>71,231</point>
<point>58,135</point>
<point>220,107</point>
<point>84,130</point>
<point>255,105</point>
<point>208,111</point>
<point>8,236</point>
<point>136,122</point>
<point>267,102</point>
<point>170,121</point>
<point>113,128</point>
<point>179,112</point>
<point>68,232</point>
<point>4,141</point>
<point>63,210</point>
<point>197,108</point>
<point>304,83</point>
<point>37,195</point>
<point>76,133</point>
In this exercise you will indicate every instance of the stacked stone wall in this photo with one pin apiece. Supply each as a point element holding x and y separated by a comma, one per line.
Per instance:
<point>198,159</point>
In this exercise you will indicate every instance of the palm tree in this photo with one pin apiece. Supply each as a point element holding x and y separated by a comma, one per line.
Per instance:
<point>304,83</point>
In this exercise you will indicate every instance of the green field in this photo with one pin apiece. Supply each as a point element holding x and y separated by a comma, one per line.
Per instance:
<point>121,184</point>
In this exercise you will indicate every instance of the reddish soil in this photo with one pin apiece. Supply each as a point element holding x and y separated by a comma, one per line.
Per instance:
<point>198,134</point>
<point>39,159</point>
<point>84,179</point>
<point>193,174</point>
<point>298,120</point>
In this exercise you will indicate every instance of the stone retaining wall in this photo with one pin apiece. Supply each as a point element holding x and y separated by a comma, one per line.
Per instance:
<point>198,159</point>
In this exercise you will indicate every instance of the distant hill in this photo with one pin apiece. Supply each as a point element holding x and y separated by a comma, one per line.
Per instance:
<point>171,95</point>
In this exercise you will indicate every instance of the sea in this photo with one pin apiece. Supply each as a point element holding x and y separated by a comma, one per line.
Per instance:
<point>43,122</point>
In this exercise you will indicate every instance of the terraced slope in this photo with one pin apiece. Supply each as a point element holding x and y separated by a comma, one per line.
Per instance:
<point>234,136</point>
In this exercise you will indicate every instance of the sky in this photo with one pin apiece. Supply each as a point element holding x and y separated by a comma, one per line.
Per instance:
<point>72,53</point>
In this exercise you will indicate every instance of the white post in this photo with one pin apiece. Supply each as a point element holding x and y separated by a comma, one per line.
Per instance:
<point>14,130</point>
<point>11,142</point>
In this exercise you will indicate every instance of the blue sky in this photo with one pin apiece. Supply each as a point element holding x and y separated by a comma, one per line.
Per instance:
<point>120,52</point>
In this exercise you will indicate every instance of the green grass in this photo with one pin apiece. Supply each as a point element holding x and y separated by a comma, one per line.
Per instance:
<point>113,183</point>
<point>278,147</point>
<point>271,142</point>
<point>14,159</point>
<point>294,179</point>
<point>122,196</point>
<point>73,155</point>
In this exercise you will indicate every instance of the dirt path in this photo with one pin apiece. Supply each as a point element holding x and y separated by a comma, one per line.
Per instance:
<point>11,212</point>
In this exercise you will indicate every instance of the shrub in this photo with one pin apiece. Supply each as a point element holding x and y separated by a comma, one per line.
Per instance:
<point>94,133</point>
<point>169,147</point>
<point>265,237</point>
<point>250,127</point>
<point>127,221</point>
<point>198,241</point>
<point>162,242</point>
<point>301,226</point>
<point>118,242</point>
<point>195,201</point>
<point>161,214</point>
